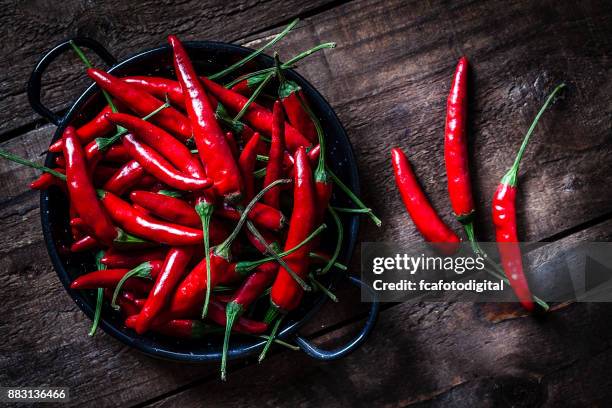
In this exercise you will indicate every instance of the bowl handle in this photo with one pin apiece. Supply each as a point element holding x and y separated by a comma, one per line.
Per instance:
<point>327,355</point>
<point>34,84</point>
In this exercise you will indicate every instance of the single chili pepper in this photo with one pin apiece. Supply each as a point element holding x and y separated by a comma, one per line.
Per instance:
<point>191,291</point>
<point>79,224</point>
<point>231,142</point>
<point>261,215</point>
<point>258,116</point>
<point>504,219</point>
<point>425,218</point>
<point>456,152</point>
<point>210,140</point>
<point>151,229</point>
<point>125,178</point>
<point>246,162</point>
<point>142,103</point>
<point>169,208</point>
<point>160,168</point>
<point>274,168</point>
<point>172,272</point>
<point>167,145</point>
<point>286,294</point>
<point>114,258</point>
<point>117,154</point>
<point>109,278</point>
<point>47,180</point>
<point>97,127</point>
<point>177,328</point>
<point>159,87</point>
<point>82,192</point>
<point>87,243</point>
<point>250,290</point>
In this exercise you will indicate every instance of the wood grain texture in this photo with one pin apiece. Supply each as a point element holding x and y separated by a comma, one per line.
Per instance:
<point>387,80</point>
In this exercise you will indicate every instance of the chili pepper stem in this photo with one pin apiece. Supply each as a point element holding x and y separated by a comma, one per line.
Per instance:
<point>270,339</point>
<point>25,162</point>
<point>205,211</point>
<point>99,297</point>
<point>142,270</point>
<point>254,96</point>
<point>340,231</point>
<point>353,197</point>
<point>323,289</point>
<point>233,310</point>
<point>469,231</point>
<point>281,343</point>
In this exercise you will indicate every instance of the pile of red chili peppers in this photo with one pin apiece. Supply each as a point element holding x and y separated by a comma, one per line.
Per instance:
<point>164,185</point>
<point>430,224</point>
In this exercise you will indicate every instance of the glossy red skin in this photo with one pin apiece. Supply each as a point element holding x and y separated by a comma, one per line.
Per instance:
<point>159,87</point>
<point>231,141</point>
<point>126,300</point>
<point>246,162</point>
<point>323,191</point>
<point>255,284</point>
<point>129,259</point>
<point>125,178</point>
<point>116,154</point>
<point>274,168</point>
<point>142,103</point>
<point>169,208</point>
<point>455,144</point>
<point>504,219</point>
<point>167,145</point>
<point>144,226</point>
<point>286,293</point>
<point>46,180</point>
<point>97,127</point>
<point>425,218</point>
<point>261,215</point>
<point>82,192</point>
<point>216,313</point>
<point>258,116</point>
<point>268,236</point>
<point>156,165</point>
<point>109,278</point>
<point>172,272</point>
<point>210,139</point>
<point>86,243</point>
<point>297,116</point>
<point>243,88</point>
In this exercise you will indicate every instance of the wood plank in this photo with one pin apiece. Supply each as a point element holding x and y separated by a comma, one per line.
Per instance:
<point>31,29</point>
<point>439,354</point>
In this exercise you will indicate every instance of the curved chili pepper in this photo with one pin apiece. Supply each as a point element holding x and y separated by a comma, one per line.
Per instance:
<point>82,192</point>
<point>250,290</point>
<point>261,215</point>
<point>46,180</point>
<point>172,271</point>
<point>114,258</point>
<point>159,87</point>
<point>274,168</point>
<point>210,140</point>
<point>169,208</point>
<point>97,127</point>
<point>87,243</point>
<point>142,103</point>
<point>286,293</point>
<point>151,229</point>
<point>167,145</point>
<point>258,116</point>
<point>504,219</point>
<point>456,152</point>
<point>160,168</point>
<point>109,278</point>
<point>292,97</point>
<point>246,162</point>
<point>425,218</point>
<point>125,178</point>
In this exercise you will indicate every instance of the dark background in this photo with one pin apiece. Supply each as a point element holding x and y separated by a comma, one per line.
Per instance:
<point>388,80</point>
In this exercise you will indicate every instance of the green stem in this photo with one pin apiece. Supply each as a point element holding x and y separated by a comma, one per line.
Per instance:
<point>270,339</point>
<point>245,267</point>
<point>353,197</point>
<point>276,257</point>
<point>353,210</point>
<point>254,54</point>
<point>204,208</point>
<point>280,342</point>
<point>170,193</point>
<point>99,297</point>
<point>25,162</point>
<point>233,310</point>
<point>338,265</point>
<point>262,158</point>
<point>510,178</point>
<point>336,253</point>
<point>469,231</point>
<point>141,271</point>
<point>224,248</point>
<point>261,173</point>
<point>254,96</point>
<point>323,289</point>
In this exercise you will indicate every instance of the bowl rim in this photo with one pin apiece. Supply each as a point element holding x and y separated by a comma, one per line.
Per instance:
<point>290,326</point>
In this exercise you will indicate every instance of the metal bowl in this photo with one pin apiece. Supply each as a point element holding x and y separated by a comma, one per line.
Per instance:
<point>208,57</point>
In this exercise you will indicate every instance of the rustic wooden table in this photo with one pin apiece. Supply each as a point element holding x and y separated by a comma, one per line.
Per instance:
<point>387,79</point>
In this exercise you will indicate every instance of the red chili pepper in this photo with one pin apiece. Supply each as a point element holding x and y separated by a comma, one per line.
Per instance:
<point>102,174</point>
<point>109,278</point>
<point>172,272</point>
<point>169,208</point>
<point>177,328</point>
<point>231,142</point>
<point>286,292</point>
<point>258,116</point>
<point>159,87</point>
<point>274,168</point>
<point>246,162</point>
<point>128,303</point>
<point>60,161</point>
<point>142,103</point>
<point>125,178</point>
<point>292,97</point>
<point>167,145</point>
<point>425,218</point>
<point>97,127</point>
<point>47,180</point>
<point>210,140</point>
<point>455,148</point>
<point>160,168</point>
<point>114,258</point>
<point>261,215</point>
<point>242,325</point>
<point>504,219</point>
<point>151,229</point>
<point>87,243</point>
<point>82,192</point>
<point>117,154</point>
